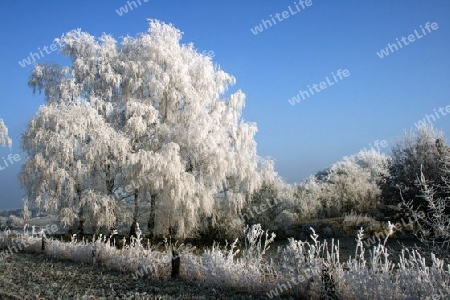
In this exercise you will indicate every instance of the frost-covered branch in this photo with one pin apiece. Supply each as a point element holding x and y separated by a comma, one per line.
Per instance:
<point>433,220</point>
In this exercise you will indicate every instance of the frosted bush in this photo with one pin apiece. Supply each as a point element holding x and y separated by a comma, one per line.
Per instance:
<point>256,244</point>
<point>421,280</point>
<point>285,220</point>
<point>223,268</point>
<point>353,221</point>
<point>307,197</point>
<point>422,150</point>
<point>135,258</point>
<point>14,221</point>
<point>304,261</point>
<point>380,278</point>
<point>356,220</point>
<point>349,184</point>
<point>433,219</point>
<point>321,274</point>
<point>373,278</point>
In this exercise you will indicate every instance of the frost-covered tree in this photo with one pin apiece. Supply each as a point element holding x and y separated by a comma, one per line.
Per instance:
<point>5,140</point>
<point>351,184</point>
<point>262,207</point>
<point>307,195</point>
<point>419,151</point>
<point>353,181</point>
<point>269,204</point>
<point>186,142</point>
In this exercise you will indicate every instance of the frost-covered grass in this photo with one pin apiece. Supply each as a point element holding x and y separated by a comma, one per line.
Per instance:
<point>353,220</point>
<point>133,258</point>
<point>227,268</point>
<point>310,269</point>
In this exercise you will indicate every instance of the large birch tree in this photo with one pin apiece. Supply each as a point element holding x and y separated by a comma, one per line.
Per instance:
<point>186,143</point>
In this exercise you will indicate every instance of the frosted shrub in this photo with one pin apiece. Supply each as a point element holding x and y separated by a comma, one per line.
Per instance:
<point>256,244</point>
<point>353,221</point>
<point>356,220</point>
<point>3,221</point>
<point>268,204</point>
<point>285,220</point>
<point>374,278</point>
<point>222,268</point>
<point>134,258</point>
<point>433,219</point>
<point>16,241</point>
<point>307,197</point>
<point>4,238</point>
<point>319,273</point>
<point>349,184</point>
<point>380,278</point>
<point>305,262</point>
<point>421,280</point>
<point>14,221</point>
<point>77,251</point>
<point>423,150</point>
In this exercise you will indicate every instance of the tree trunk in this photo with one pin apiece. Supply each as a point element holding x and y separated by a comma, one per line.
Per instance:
<point>110,183</point>
<point>135,214</point>
<point>81,212</point>
<point>81,222</point>
<point>151,218</point>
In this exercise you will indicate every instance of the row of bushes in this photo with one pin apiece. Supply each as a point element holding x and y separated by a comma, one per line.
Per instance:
<point>364,183</point>
<point>309,269</point>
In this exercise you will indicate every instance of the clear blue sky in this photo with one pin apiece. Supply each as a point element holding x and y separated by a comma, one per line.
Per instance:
<point>380,99</point>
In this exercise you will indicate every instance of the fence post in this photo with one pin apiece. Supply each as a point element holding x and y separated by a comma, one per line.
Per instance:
<point>43,243</point>
<point>175,264</point>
